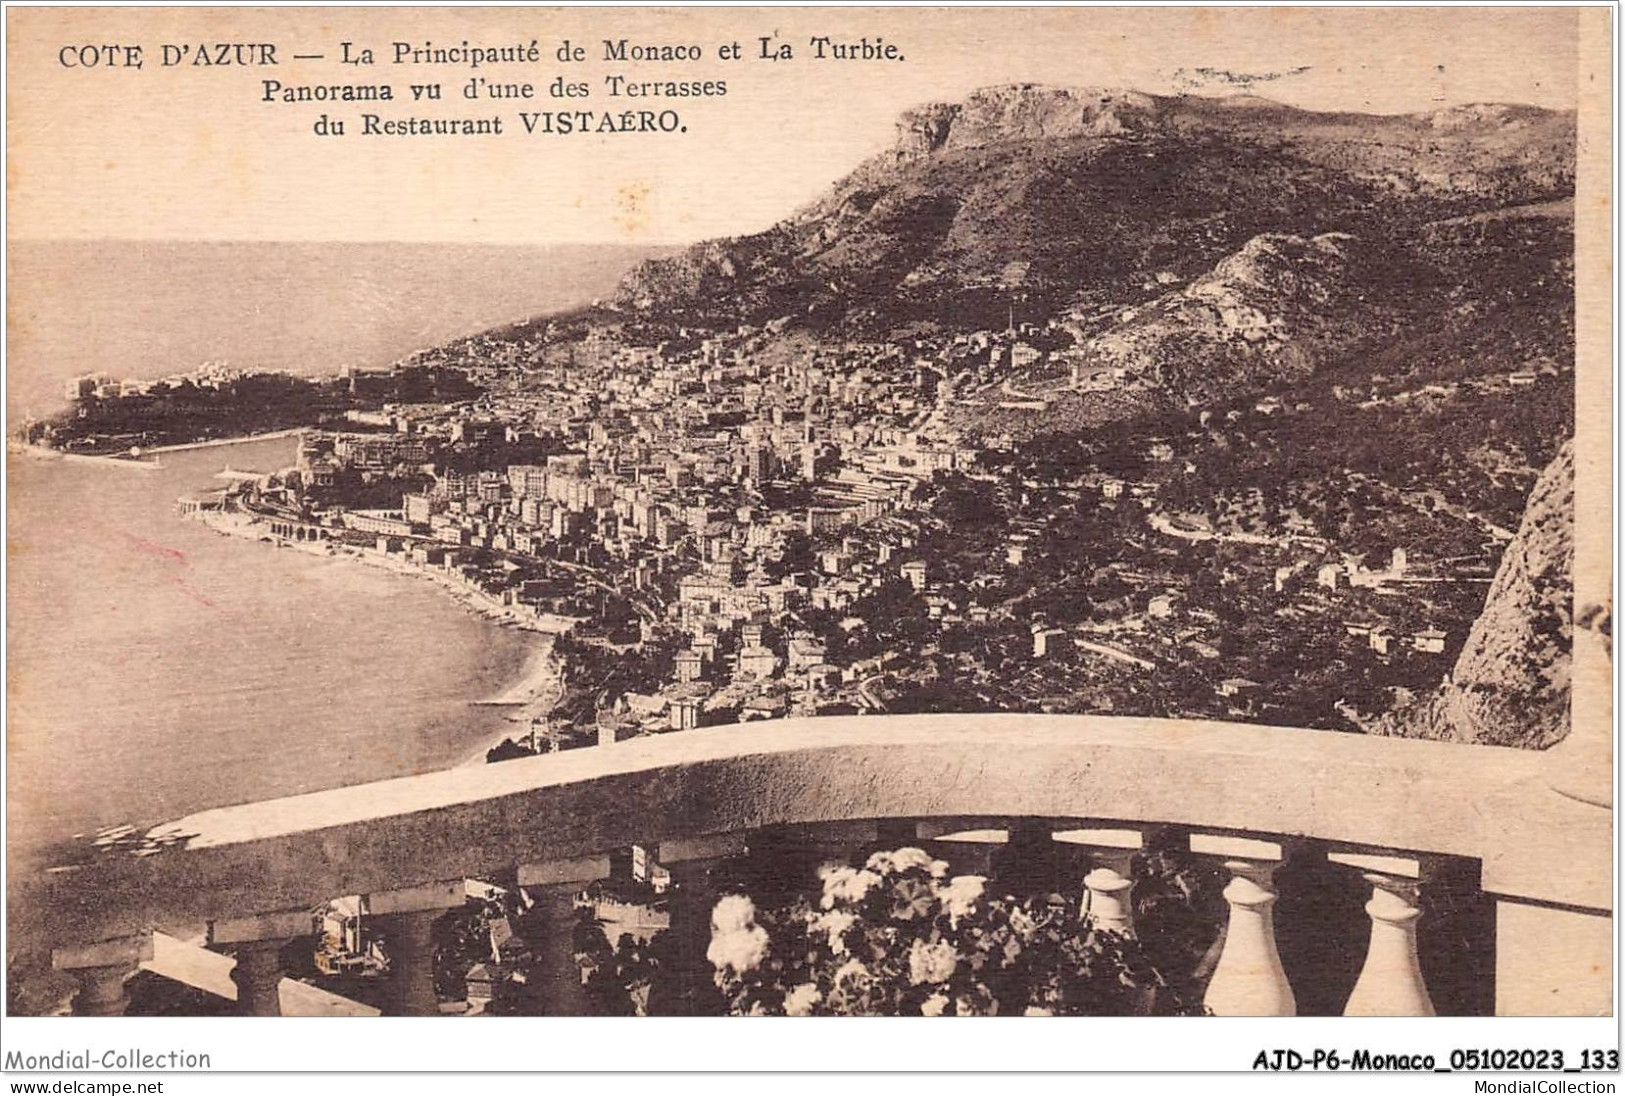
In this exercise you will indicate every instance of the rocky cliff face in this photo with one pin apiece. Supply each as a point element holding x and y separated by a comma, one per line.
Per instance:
<point>1261,313</point>
<point>1025,112</point>
<point>1510,685</point>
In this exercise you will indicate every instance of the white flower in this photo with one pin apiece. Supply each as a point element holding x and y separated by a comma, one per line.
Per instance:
<point>835,878</point>
<point>741,950</point>
<point>851,969</point>
<point>1034,1010</point>
<point>911,858</point>
<point>901,861</point>
<point>834,924</point>
<point>801,999</point>
<point>846,885</point>
<point>960,896</point>
<point>931,963</point>
<point>733,913</point>
<point>939,869</point>
<point>933,1005</point>
<point>738,943</point>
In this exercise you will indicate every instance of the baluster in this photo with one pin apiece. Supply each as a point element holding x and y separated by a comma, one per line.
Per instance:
<point>1249,979</point>
<point>1111,908</point>
<point>549,930</point>
<point>1110,883</point>
<point>1027,862</point>
<point>258,978</point>
<point>1390,982</point>
<point>409,940</point>
<point>407,918</point>
<point>101,970</point>
<point>259,940</point>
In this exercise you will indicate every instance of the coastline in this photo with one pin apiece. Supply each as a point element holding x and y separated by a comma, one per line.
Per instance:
<point>539,674</point>
<point>536,690</point>
<point>45,452</point>
<point>213,443</point>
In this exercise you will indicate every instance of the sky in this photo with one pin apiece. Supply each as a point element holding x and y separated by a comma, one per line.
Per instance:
<point>190,153</point>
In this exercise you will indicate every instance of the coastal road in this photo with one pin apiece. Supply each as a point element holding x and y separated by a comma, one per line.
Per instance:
<point>587,574</point>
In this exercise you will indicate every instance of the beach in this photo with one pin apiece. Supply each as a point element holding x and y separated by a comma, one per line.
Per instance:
<point>536,693</point>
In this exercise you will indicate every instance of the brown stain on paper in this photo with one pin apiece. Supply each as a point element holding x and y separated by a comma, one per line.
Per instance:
<point>632,208</point>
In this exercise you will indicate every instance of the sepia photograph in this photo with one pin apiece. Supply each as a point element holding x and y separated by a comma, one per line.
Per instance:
<point>870,512</point>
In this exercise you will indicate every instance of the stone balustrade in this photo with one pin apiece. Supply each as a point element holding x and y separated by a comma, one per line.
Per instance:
<point>1388,815</point>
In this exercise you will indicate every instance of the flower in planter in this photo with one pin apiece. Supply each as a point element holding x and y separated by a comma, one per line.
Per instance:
<point>852,990</point>
<point>960,895</point>
<point>898,937</point>
<point>799,1001</point>
<point>931,964</point>
<point>834,925</point>
<point>846,884</point>
<point>893,863</point>
<point>733,913</point>
<point>738,943</point>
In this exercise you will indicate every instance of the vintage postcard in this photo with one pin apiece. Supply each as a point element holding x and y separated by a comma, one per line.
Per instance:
<point>630,512</point>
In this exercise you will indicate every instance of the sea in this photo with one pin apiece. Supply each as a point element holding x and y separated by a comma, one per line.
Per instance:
<point>154,667</point>
<point>138,309</point>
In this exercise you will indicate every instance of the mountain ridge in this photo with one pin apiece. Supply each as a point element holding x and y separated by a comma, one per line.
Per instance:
<point>1092,186</point>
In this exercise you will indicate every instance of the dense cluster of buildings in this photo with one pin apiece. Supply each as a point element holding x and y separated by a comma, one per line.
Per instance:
<point>696,496</point>
<point>717,513</point>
